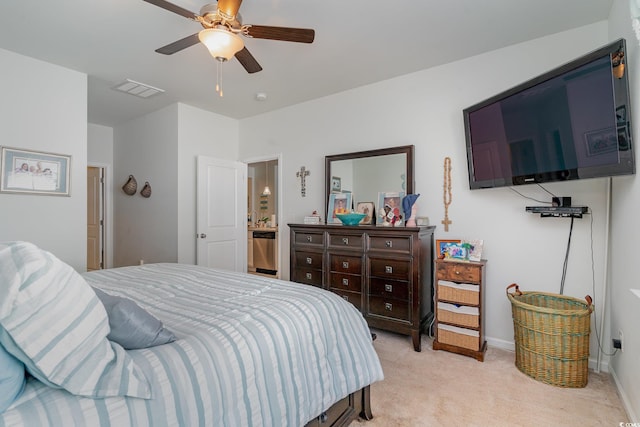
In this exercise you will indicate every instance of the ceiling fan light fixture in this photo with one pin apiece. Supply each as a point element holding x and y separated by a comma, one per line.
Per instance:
<point>221,43</point>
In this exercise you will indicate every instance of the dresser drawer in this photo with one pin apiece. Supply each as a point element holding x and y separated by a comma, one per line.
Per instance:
<point>391,268</point>
<point>309,238</point>
<point>353,297</point>
<point>460,337</point>
<point>309,260</point>
<point>308,276</point>
<point>458,272</point>
<point>345,264</point>
<point>341,240</point>
<point>388,307</point>
<point>398,244</point>
<point>345,282</point>
<point>395,289</point>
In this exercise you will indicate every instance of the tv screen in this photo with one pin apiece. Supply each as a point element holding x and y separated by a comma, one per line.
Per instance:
<point>569,123</point>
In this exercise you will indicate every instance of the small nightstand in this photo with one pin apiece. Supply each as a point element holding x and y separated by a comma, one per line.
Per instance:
<point>459,308</point>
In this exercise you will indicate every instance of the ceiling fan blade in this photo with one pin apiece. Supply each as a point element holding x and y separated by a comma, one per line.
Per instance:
<point>248,61</point>
<point>177,46</point>
<point>229,7</point>
<point>300,35</point>
<point>172,8</point>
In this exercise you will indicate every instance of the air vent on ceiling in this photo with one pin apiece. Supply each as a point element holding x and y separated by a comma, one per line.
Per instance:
<point>138,89</point>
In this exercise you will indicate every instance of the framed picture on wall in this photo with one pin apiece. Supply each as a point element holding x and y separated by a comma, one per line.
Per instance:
<point>338,203</point>
<point>34,172</point>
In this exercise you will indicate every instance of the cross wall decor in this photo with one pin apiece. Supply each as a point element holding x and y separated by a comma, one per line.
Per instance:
<point>302,174</point>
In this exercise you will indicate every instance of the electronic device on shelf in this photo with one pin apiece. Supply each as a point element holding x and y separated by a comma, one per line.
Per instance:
<point>570,123</point>
<point>558,211</point>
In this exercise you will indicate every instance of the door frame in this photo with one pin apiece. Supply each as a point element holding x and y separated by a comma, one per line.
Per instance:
<point>277,157</point>
<point>107,212</point>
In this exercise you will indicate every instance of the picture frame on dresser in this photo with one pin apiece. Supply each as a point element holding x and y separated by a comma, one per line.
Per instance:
<point>338,203</point>
<point>367,208</point>
<point>442,245</point>
<point>389,209</point>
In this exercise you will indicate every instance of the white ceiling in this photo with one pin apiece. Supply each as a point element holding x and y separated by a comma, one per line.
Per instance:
<point>357,42</point>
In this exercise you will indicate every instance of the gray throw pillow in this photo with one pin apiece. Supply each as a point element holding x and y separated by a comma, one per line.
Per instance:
<point>131,326</point>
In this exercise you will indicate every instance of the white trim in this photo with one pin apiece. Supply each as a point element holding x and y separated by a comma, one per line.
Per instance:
<point>626,403</point>
<point>280,201</point>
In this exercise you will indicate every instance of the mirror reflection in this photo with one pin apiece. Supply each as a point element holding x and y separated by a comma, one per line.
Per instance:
<point>367,173</point>
<point>365,177</point>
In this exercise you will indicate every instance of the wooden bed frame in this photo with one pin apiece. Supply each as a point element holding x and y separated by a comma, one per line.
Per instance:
<point>344,411</point>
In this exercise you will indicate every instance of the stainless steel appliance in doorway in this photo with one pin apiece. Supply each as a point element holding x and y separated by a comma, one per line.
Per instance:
<point>264,252</point>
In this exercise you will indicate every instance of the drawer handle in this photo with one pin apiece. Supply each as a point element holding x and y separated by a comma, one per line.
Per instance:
<point>309,276</point>
<point>345,282</point>
<point>323,417</point>
<point>345,264</point>
<point>345,240</point>
<point>389,243</point>
<point>309,239</point>
<point>388,306</point>
<point>345,297</point>
<point>388,288</point>
<point>457,272</point>
<point>309,260</point>
<point>388,269</point>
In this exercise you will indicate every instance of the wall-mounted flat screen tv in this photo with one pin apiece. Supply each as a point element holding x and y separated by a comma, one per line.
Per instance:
<point>570,123</point>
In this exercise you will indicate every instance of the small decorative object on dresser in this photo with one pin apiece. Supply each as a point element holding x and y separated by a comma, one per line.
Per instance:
<point>367,208</point>
<point>459,308</point>
<point>442,245</point>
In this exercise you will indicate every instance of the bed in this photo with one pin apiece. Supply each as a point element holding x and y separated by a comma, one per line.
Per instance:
<point>247,351</point>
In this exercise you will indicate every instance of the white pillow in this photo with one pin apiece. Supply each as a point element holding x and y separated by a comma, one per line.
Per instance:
<point>53,322</point>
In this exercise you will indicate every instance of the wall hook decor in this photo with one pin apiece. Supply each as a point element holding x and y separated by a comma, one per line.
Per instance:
<point>131,186</point>
<point>146,190</point>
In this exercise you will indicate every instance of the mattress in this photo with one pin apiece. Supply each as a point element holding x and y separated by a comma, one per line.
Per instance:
<point>250,351</point>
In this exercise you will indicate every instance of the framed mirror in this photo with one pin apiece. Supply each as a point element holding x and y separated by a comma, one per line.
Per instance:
<point>364,174</point>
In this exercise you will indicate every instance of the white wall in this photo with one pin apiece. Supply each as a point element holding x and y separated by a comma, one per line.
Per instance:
<point>625,307</point>
<point>146,229</point>
<point>162,148</point>
<point>425,109</point>
<point>200,133</point>
<point>43,107</point>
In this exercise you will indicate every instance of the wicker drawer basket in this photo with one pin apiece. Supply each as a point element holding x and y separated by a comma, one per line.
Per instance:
<point>460,337</point>
<point>460,315</point>
<point>464,293</point>
<point>551,334</point>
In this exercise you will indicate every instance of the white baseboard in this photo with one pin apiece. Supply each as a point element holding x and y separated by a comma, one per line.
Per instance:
<point>628,408</point>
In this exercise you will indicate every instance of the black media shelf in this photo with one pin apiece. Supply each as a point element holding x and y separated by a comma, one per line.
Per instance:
<point>558,211</point>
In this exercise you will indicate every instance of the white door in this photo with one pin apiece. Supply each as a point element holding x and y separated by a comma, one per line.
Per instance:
<point>221,214</point>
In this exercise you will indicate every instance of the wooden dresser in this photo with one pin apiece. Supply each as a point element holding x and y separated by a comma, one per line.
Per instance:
<point>387,273</point>
<point>459,308</point>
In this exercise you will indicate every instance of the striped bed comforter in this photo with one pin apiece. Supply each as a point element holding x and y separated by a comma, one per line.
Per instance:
<point>251,351</point>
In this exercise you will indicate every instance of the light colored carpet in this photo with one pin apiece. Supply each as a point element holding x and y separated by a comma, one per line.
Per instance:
<point>438,388</point>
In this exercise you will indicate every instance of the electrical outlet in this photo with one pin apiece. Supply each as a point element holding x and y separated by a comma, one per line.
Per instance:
<point>621,338</point>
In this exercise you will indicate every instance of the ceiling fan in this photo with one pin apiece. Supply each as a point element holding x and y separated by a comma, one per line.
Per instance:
<point>222,23</point>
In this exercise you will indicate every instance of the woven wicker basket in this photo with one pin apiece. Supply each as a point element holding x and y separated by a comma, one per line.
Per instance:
<point>551,335</point>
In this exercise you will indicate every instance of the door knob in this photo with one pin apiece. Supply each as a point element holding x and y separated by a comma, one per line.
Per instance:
<point>203,236</point>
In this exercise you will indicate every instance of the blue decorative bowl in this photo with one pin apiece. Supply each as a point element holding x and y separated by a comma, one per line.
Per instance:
<point>352,218</point>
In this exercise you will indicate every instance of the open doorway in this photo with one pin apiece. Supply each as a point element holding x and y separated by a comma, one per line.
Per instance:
<point>263,231</point>
<point>95,218</point>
